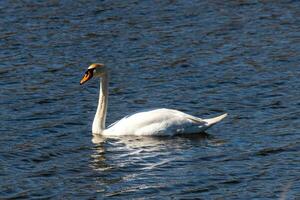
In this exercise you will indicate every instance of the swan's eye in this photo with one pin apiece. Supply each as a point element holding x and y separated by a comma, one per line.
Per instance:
<point>89,72</point>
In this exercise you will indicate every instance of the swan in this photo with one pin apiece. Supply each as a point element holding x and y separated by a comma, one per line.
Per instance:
<point>154,122</point>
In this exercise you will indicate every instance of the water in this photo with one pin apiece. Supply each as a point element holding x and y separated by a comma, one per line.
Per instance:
<point>201,57</point>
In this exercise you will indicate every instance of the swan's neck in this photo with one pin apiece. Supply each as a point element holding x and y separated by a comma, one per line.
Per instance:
<point>100,117</point>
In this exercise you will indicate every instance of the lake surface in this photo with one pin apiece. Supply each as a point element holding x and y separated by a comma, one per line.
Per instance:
<point>201,57</point>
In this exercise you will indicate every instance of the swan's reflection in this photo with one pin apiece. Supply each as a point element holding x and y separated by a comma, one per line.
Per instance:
<point>121,163</point>
<point>116,152</point>
<point>146,141</point>
<point>98,157</point>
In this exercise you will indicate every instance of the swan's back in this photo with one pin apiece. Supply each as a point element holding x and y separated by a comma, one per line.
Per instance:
<point>156,122</point>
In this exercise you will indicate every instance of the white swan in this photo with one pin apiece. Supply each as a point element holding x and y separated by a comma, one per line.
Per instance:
<point>152,122</point>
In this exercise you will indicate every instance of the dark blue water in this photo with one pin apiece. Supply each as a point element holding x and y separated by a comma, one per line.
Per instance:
<point>200,57</point>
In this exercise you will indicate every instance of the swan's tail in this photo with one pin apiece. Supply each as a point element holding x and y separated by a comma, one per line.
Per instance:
<point>214,120</point>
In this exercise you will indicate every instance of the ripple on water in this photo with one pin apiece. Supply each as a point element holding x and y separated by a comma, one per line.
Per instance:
<point>203,58</point>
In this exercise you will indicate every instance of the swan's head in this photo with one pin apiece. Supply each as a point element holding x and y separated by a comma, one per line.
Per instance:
<point>94,70</point>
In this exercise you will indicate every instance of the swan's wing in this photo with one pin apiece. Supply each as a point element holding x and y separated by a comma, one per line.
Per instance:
<point>156,122</point>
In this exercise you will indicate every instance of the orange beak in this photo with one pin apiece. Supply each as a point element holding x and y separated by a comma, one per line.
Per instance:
<point>87,76</point>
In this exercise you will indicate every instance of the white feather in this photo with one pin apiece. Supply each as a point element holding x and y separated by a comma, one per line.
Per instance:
<point>160,122</point>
